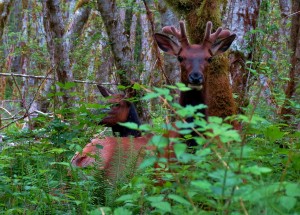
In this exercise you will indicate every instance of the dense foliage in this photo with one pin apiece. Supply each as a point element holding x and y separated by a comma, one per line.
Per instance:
<point>252,171</point>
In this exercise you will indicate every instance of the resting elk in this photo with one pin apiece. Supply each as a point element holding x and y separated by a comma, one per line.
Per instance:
<point>129,142</point>
<point>122,110</point>
<point>194,60</point>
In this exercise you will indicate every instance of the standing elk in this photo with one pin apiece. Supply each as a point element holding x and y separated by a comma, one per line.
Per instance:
<point>194,60</point>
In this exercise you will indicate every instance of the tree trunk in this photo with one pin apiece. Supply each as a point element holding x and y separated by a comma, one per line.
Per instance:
<point>5,7</point>
<point>294,73</point>
<point>119,40</point>
<point>60,41</point>
<point>241,17</point>
<point>168,18</point>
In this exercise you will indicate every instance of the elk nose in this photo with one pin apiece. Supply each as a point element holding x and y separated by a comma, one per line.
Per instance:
<point>196,78</point>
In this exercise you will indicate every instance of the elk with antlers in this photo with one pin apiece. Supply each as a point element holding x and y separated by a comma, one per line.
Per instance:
<point>194,60</point>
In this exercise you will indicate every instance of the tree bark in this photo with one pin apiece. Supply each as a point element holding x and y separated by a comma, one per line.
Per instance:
<point>58,51</point>
<point>5,7</point>
<point>168,18</point>
<point>294,74</point>
<point>241,17</point>
<point>119,40</point>
<point>61,42</point>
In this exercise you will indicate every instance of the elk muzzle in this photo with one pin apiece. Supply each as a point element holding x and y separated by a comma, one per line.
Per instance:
<point>196,80</point>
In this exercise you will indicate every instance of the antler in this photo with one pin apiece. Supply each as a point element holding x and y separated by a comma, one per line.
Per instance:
<point>180,35</point>
<point>210,38</point>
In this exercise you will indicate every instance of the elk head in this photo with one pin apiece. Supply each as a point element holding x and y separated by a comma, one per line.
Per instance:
<point>121,110</point>
<point>194,58</point>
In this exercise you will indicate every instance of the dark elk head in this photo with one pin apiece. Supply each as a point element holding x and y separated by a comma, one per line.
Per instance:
<point>121,110</point>
<point>194,58</point>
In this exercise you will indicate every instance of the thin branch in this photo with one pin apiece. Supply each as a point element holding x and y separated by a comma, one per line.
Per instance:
<point>292,14</point>
<point>48,78</point>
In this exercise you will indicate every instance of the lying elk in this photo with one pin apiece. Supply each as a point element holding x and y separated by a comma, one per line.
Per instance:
<point>107,148</point>
<point>194,60</point>
<point>122,110</point>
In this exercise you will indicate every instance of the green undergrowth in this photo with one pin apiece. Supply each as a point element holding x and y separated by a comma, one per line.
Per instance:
<point>254,171</point>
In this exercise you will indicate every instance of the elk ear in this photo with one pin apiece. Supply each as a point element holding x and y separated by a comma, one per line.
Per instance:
<point>166,44</point>
<point>103,90</point>
<point>222,45</point>
<point>130,92</point>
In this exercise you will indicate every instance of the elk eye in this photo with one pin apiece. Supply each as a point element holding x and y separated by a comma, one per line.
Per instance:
<point>180,59</point>
<point>209,60</point>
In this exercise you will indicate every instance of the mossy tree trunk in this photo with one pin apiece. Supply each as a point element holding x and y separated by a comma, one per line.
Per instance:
<point>196,14</point>
<point>5,7</point>
<point>294,74</point>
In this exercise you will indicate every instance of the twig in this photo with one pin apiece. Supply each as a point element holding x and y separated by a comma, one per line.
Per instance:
<point>292,14</point>
<point>9,113</point>
<point>27,109</point>
<point>48,78</point>
<point>155,47</point>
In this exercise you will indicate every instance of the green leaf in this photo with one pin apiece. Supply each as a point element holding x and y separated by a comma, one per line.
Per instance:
<point>256,170</point>
<point>122,211</point>
<point>292,190</point>
<point>159,198</point>
<point>182,87</point>
<point>145,127</point>
<point>59,94</point>
<point>179,199</point>
<point>57,150</point>
<point>203,185</point>
<point>149,162</point>
<point>159,141</point>
<point>190,110</point>
<point>69,85</point>
<point>126,198</point>
<point>215,119</point>
<point>50,95</point>
<point>101,210</point>
<point>288,202</point>
<point>130,125</point>
<point>61,163</point>
<point>162,91</point>
<point>149,96</point>
<point>164,206</point>
<point>273,133</point>
<point>180,124</point>
<point>179,149</point>
<point>136,86</point>
<point>96,106</point>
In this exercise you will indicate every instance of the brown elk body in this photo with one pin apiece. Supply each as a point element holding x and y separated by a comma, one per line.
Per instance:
<point>194,60</point>
<point>108,151</point>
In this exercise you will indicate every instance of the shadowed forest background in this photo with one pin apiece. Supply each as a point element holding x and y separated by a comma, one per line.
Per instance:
<point>54,53</point>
